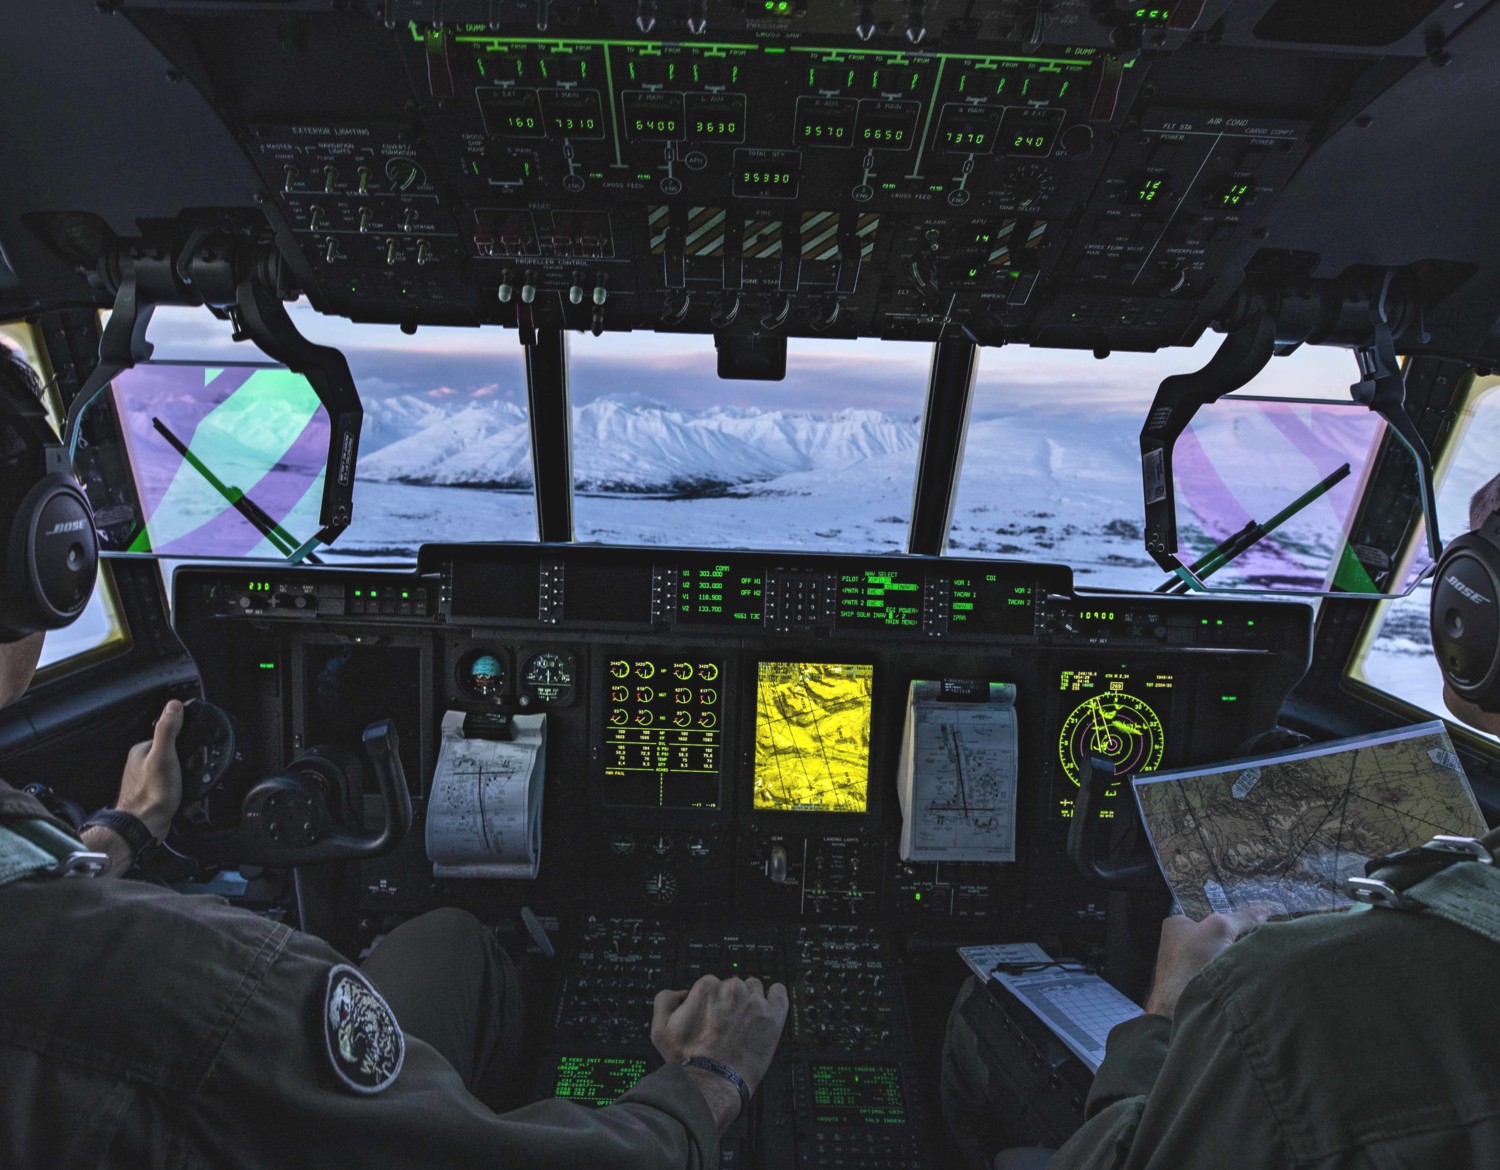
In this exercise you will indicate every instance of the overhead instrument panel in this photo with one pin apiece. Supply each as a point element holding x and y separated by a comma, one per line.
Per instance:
<point>1097,175</point>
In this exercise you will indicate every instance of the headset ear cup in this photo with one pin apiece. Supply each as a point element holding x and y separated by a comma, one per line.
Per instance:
<point>52,558</point>
<point>1464,618</point>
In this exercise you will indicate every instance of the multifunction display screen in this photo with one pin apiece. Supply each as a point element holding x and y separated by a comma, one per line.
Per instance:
<point>991,603</point>
<point>596,1080</point>
<point>1114,712</point>
<point>857,1094</point>
<point>812,736</point>
<point>663,729</point>
<point>880,597</point>
<point>720,593</point>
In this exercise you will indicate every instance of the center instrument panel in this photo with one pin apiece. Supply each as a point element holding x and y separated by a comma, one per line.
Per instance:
<point>1069,173</point>
<point>722,735</point>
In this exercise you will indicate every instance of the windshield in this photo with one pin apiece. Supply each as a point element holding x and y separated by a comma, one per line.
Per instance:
<point>665,452</point>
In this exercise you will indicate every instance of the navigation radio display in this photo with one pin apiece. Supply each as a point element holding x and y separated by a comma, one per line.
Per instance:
<point>663,728</point>
<point>812,736</point>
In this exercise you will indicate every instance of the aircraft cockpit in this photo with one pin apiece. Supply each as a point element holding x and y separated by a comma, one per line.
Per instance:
<point>744,486</point>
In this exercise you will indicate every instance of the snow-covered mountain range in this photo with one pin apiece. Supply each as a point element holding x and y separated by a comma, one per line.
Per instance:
<point>620,446</point>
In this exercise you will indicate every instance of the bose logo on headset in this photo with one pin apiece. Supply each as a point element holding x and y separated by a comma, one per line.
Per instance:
<point>45,582</point>
<point>1464,621</point>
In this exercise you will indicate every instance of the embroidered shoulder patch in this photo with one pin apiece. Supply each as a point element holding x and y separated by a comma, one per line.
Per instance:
<point>364,1042</point>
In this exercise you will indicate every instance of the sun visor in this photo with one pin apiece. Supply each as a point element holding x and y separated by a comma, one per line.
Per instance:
<point>228,459</point>
<point>1268,494</point>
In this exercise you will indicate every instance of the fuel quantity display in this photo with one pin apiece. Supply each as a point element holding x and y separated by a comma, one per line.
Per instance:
<point>887,125</point>
<point>825,121</point>
<point>766,174</point>
<point>663,723</point>
<point>511,113</point>
<point>968,129</point>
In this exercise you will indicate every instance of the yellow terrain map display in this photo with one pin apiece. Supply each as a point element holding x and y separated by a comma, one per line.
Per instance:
<point>812,736</point>
<point>1286,830</point>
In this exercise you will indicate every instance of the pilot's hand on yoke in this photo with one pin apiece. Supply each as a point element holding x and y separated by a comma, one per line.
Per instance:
<point>736,1022</point>
<point>151,787</point>
<point>1187,947</point>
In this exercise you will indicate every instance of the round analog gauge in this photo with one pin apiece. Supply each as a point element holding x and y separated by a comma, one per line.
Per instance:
<point>1120,727</point>
<point>622,844</point>
<point>481,675</point>
<point>548,679</point>
<point>661,887</point>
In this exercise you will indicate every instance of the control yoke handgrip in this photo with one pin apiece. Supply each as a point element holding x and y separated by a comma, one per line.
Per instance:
<point>1088,846</point>
<point>383,746</point>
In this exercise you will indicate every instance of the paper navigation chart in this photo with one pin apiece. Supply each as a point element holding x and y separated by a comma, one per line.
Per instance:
<point>484,816</point>
<point>1285,830</point>
<point>957,772</point>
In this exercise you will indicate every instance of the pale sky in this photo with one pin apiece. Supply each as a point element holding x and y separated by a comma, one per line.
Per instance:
<point>678,370</point>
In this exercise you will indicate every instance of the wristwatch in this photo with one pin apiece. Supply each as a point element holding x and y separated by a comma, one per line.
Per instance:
<point>141,840</point>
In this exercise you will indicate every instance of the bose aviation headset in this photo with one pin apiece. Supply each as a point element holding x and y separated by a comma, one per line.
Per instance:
<point>1465,625</point>
<point>47,528</point>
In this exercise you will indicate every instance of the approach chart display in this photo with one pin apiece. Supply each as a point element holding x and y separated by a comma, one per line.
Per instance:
<point>957,774</point>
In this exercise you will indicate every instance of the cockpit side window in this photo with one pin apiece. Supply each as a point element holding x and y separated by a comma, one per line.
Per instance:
<point>1394,659</point>
<point>101,630</point>
<point>1052,465</point>
<point>444,453</point>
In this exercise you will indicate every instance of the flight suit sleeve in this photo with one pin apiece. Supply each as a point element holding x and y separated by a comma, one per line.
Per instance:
<point>1177,1093</point>
<point>274,1097</point>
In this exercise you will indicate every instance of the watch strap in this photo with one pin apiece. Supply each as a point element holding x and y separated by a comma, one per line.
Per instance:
<point>128,825</point>
<point>723,1070</point>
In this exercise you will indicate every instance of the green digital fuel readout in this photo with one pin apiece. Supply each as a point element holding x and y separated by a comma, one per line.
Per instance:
<point>652,117</point>
<point>825,121</point>
<point>968,129</point>
<point>879,597</point>
<point>716,117</point>
<point>766,174</point>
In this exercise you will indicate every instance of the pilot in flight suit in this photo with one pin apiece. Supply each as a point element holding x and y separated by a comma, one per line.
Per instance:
<point>1368,1038</point>
<point>141,1027</point>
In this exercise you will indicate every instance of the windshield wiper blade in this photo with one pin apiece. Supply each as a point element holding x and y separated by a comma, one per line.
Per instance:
<point>258,517</point>
<point>1250,535</point>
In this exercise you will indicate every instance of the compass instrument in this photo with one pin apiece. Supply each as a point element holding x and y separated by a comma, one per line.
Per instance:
<point>1117,726</point>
